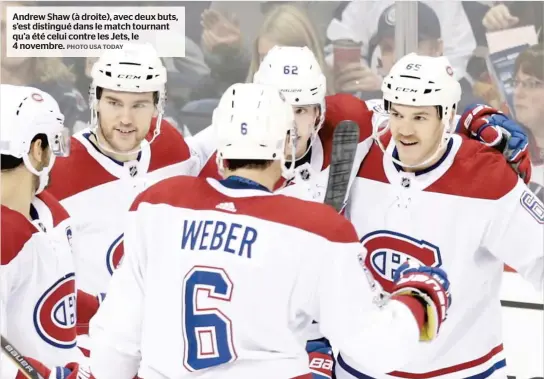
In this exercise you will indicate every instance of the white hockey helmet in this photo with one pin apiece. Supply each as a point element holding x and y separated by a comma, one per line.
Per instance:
<point>252,121</point>
<point>297,74</point>
<point>134,68</point>
<point>25,113</point>
<point>417,80</point>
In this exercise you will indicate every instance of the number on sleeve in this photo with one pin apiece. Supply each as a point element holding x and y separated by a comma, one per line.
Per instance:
<point>207,332</point>
<point>293,70</point>
<point>243,128</point>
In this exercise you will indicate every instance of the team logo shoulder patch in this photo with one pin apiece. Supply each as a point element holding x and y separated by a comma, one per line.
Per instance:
<point>530,202</point>
<point>55,313</point>
<point>387,250</point>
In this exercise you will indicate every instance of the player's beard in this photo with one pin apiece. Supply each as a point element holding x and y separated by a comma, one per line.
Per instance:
<point>108,136</point>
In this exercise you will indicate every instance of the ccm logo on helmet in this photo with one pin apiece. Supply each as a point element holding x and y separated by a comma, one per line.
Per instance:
<point>55,313</point>
<point>403,89</point>
<point>122,76</point>
<point>115,254</point>
<point>387,250</point>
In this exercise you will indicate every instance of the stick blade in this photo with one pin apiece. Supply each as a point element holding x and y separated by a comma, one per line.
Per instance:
<point>344,147</point>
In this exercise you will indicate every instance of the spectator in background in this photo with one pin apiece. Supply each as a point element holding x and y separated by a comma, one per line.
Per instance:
<point>50,75</point>
<point>510,14</point>
<point>230,27</point>
<point>429,43</point>
<point>287,25</point>
<point>360,19</point>
<point>529,108</point>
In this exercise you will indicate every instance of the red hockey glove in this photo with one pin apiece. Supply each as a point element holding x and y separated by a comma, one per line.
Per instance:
<point>430,286</point>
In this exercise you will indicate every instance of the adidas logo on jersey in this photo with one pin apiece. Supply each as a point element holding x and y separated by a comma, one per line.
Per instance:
<point>226,207</point>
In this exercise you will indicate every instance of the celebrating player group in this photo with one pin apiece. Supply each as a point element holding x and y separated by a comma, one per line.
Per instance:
<point>299,236</point>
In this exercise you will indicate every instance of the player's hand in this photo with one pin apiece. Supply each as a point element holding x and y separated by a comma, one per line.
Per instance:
<point>70,371</point>
<point>430,285</point>
<point>321,359</point>
<point>493,128</point>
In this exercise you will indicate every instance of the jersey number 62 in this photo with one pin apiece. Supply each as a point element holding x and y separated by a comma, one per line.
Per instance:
<point>207,332</point>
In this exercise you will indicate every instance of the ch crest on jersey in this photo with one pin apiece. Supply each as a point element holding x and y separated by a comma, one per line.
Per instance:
<point>387,250</point>
<point>55,313</point>
<point>115,254</point>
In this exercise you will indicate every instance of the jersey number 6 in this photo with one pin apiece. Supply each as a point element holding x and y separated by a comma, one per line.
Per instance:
<point>207,332</point>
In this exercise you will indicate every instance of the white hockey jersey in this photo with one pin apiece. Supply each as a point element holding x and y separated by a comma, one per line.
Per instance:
<point>37,285</point>
<point>221,282</point>
<point>310,182</point>
<point>97,191</point>
<point>468,213</point>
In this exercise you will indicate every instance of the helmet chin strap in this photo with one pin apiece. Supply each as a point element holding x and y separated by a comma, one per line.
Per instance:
<point>446,135</point>
<point>313,136</point>
<point>43,175</point>
<point>96,128</point>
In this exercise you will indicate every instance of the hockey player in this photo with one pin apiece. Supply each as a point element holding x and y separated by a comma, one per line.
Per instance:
<point>217,248</point>
<point>112,161</point>
<point>37,281</point>
<point>296,72</point>
<point>426,194</point>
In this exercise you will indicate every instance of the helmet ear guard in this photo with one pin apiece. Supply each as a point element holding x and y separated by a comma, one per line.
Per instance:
<point>422,81</point>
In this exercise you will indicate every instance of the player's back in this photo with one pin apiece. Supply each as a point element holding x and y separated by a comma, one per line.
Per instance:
<point>235,266</point>
<point>37,281</point>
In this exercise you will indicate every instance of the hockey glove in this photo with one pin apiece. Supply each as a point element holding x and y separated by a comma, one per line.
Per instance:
<point>493,128</point>
<point>430,286</point>
<point>321,358</point>
<point>70,371</point>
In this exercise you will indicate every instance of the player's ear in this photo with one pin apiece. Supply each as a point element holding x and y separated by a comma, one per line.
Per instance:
<point>37,152</point>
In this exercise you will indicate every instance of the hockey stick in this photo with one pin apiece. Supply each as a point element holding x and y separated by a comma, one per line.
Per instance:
<point>24,366</point>
<point>344,148</point>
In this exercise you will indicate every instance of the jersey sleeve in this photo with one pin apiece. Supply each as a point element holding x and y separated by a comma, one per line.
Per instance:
<point>379,339</point>
<point>516,233</point>
<point>203,144</point>
<point>8,370</point>
<point>116,328</point>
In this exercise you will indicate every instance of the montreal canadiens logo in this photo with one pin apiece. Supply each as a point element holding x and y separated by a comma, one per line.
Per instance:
<point>115,254</point>
<point>55,313</point>
<point>388,250</point>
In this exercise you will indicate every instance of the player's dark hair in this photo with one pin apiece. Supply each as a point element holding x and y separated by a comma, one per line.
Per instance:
<point>100,89</point>
<point>259,164</point>
<point>9,162</point>
<point>531,62</point>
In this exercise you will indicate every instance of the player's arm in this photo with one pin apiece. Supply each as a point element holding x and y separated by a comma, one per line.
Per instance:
<point>203,144</point>
<point>381,339</point>
<point>115,330</point>
<point>516,233</point>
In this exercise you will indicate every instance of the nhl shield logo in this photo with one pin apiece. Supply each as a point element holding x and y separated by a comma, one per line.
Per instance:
<point>55,314</point>
<point>388,250</point>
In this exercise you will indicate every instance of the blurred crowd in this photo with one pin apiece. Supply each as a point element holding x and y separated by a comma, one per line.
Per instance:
<point>495,47</point>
